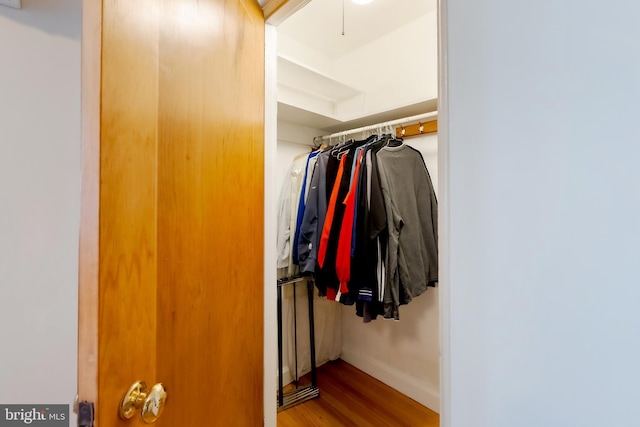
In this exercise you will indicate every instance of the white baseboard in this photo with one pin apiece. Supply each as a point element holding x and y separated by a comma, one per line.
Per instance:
<point>424,394</point>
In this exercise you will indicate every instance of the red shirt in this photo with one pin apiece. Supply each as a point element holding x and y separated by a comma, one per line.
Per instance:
<point>326,228</point>
<point>343,258</point>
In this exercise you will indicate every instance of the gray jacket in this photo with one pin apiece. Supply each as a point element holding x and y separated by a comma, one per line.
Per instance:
<point>412,222</point>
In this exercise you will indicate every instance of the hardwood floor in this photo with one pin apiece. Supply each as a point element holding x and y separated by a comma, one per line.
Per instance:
<point>349,397</point>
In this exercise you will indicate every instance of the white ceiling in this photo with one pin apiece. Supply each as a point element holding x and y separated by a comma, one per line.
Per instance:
<point>318,25</point>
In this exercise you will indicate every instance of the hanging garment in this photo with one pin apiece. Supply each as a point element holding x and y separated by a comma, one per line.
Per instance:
<point>287,216</point>
<point>411,210</point>
<point>311,161</point>
<point>327,275</point>
<point>343,255</point>
<point>326,279</point>
<point>331,210</point>
<point>314,216</point>
<point>368,279</point>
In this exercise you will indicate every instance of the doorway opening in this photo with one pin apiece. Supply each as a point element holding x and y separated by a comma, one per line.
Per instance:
<point>384,68</point>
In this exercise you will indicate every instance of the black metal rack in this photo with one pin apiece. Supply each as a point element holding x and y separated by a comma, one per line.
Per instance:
<point>299,394</point>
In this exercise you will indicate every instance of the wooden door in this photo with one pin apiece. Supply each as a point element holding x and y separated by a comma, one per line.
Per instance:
<point>171,256</point>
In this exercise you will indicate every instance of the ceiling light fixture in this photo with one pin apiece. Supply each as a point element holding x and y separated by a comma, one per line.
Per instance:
<point>362,1</point>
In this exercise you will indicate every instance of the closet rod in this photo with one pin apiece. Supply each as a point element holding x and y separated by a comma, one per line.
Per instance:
<point>417,117</point>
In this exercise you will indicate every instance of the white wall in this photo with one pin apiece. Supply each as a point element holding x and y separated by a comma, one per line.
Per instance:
<point>393,71</point>
<point>40,190</point>
<point>543,192</point>
<point>293,139</point>
<point>404,354</point>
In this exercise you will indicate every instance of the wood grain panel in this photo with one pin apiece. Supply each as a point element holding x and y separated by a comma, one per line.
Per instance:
<point>351,398</point>
<point>172,231</point>
<point>210,211</point>
<point>128,168</point>
<point>414,130</point>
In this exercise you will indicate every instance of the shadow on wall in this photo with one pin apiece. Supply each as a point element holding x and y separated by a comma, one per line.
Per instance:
<point>50,16</point>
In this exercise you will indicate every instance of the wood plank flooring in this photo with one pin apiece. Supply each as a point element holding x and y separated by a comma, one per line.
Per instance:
<point>349,397</point>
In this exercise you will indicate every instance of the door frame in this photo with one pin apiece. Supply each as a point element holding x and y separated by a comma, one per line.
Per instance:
<point>88,262</point>
<point>270,217</point>
<point>275,11</point>
<point>444,197</point>
<point>271,106</point>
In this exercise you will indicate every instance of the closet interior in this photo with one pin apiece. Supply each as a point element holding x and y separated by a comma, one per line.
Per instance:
<point>358,75</point>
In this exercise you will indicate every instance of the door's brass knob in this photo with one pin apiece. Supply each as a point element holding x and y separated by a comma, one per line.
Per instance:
<point>150,402</point>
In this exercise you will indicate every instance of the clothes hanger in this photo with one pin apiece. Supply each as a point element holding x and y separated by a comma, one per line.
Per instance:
<point>394,141</point>
<point>344,148</point>
<point>336,149</point>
